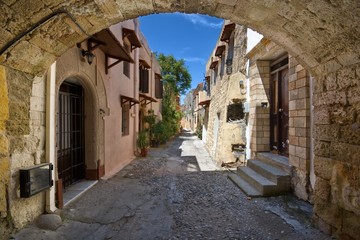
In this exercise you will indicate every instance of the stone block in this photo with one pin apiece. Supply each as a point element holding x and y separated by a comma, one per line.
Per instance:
<point>322,148</point>
<point>323,167</point>
<point>344,152</point>
<point>331,97</point>
<point>302,82</point>
<point>321,116</point>
<point>300,122</point>
<point>353,95</point>
<point>346,78</point>
<point>4,145</point>
<point>301,74</point>
<point>350,134</point>
<point>299,182</point>
<point>301,104</point>
<point>345,187</point>
<point>348,58</point>
<point>343,115</point>
<point>331,82</point>
<point>322,193</point>
<point>302,152</point>
<point>294,140</point>
<point>303,92</point>
<point>350,225</point>
<point>326,132</point>
<point>37,104</point>
<point>304,142</point>
<point>318,83</point>
<point>299,68</point>
<point>18,127</point>
<point>301,132</point>
<point>294,160</point>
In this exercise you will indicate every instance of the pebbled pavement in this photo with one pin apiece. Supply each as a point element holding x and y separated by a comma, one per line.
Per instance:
<point>177,192</point>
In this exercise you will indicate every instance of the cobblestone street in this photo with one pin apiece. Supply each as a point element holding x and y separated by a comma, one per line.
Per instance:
<point>177,193</point>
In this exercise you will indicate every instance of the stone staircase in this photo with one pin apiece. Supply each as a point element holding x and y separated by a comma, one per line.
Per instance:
<point>267,175</point>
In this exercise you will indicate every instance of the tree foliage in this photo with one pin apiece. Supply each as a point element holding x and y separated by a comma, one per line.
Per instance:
<point>176,80</point>
<point>174,73</point>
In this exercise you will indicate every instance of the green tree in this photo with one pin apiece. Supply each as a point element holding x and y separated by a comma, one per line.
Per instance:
<point>176,80</point>
<point>174,73</point>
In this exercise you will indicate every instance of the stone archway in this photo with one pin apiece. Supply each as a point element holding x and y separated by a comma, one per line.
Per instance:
<point>322,35</point>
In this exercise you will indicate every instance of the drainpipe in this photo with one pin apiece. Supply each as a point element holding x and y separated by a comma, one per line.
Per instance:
<point>248,150</point>
<point>312,170</point>
<point>50,133</point>
<point>135,114</point>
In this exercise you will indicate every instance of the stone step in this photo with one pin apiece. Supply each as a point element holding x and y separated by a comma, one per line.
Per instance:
<point>275,174</point>
<point>271,172</point>
<point>246,187</point>
<point>259,182</point>
<point>275,160</point>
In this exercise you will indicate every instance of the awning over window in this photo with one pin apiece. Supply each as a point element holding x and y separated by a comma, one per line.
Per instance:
<point>214,64</point>
<point>110,45</point>
<point>107,42</point>
<point>144,63</point>
<point>226,33</point>
<point>219,50</point>
<point>131,35</point>
<point>205,103</point>
<point>146,99</point>
<point>125,99</point>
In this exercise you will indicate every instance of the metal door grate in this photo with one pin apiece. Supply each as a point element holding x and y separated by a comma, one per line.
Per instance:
<point>70,134</point>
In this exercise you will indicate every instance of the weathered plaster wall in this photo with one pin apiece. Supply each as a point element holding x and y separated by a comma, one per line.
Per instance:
<point>337,151</point>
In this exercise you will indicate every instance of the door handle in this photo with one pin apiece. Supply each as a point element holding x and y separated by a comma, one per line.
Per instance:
<point>280,109</point>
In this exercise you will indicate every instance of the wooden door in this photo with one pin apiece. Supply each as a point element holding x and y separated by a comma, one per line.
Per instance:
<point>279,111</point>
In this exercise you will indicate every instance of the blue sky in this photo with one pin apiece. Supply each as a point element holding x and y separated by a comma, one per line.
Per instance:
<point>191,37</point>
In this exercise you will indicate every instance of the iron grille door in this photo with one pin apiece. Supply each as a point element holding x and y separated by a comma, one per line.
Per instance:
<point>70,134</point>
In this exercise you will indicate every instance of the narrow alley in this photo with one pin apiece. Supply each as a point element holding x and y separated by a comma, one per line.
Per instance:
<point>177,192</point>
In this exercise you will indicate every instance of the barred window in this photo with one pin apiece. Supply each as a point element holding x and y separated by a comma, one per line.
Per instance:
<point>235,112</point>
<point>125,124</point>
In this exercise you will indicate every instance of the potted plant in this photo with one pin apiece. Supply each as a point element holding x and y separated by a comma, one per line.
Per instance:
<point>157,134</point>
<point>143,142</point>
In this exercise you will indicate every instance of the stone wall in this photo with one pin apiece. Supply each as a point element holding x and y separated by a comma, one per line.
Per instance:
<point>299,128</point>
<point>228,133</point>
<point>259,121</point>
<point>222,134</point>
<point>337,152</point>
<point>25,129</point>
<point>4,154</point>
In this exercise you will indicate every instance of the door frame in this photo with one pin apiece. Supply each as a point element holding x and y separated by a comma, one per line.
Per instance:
<point>73,128</point>
<point>277,115</point>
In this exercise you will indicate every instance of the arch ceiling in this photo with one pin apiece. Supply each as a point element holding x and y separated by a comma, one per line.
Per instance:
<point>321,34</point>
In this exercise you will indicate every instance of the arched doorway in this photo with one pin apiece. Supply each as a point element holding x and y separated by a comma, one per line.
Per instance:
<point>70,134</point>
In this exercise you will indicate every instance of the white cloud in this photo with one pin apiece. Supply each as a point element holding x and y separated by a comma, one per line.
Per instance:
<point>194,59</point>
<point>185,49</point>
<point>201,20</point>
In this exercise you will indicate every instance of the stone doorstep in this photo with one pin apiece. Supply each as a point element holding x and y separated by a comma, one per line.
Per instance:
<point>76,190</point>
<point>264,176</point>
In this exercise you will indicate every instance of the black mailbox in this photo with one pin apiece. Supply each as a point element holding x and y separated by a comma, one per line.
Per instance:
<point>35,179</point>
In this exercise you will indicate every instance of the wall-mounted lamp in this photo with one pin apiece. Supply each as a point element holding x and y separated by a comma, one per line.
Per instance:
<point>89,56</point>
<point>264,104</point>
<point>241,83</point>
